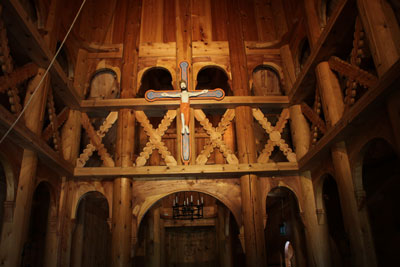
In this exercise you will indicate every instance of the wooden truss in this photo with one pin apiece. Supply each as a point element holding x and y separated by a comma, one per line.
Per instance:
<point>95,140</point>
<point>216,135</point>
<point>275,138</point>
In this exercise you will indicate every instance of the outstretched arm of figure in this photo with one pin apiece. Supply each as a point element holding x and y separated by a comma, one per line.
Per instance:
<point>198,93</point>
<point>171,94</point>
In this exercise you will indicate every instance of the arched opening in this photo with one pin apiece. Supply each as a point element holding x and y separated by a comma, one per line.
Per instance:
<point>266,81</point>
<point>155,79</point>
<point>339,242</point>
<point>166,238</point>
<point>64,61</point>
<point>303,54</point>
<point>91,238</point>
<point>381,182</point>
<point>284,224</point>
<point>212,77</point>
<point>104,85</point>
<point>34,248</point>
<point>326,10</point>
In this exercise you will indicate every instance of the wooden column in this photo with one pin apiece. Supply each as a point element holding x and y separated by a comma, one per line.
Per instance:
<point>153,238</point>
<point>251,197</point>
<point>70,138</point>
<point>332,101</point>
<point>313,22</point>
<point>122,189</point>
<point>382,31</point>
<point>224,237</point>
<point>317,236</point>
<point>11,249</point>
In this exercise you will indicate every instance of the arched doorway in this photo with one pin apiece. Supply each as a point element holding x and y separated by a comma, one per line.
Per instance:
<point>91,238</point>
<point>33,253</point>
<point>167,239</point>
<point>338,239</point>
<point>381,182</point>
<point>266,81</point>
<point>284,224</point>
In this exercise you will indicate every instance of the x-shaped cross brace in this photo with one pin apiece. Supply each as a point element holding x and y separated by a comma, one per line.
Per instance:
<point>275,138</point>
<point>155,137</point>
<point>215,137</point>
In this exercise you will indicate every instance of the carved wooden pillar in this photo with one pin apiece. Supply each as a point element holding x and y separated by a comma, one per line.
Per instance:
<point>360,238</point>
<point>11,251</point>
<point>251,197</point>
<point>317,236</point>
<point>122,189</point>
<point>382,31</point>
<point>224,237</point>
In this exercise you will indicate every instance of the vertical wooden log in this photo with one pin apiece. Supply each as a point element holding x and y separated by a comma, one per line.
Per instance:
<point>360,238</point>
<point>70,138</point>
<point>224,237</point>
<point>122,189</point>
<point>11,249</point>
<point>313,23</point>
<point>317,235</point>
<point>51,249</point>
<point>383,32</point>
<point>78,236</point>
<point>251,200</point>
<point>154,253</point>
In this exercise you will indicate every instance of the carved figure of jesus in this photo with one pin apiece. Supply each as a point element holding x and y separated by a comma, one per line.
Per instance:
<point>184,106</point>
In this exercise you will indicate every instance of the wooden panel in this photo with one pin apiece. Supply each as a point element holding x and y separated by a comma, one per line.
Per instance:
<point>264,20</point>
<point>219,17</point>
<point>210,49</point>
<point>152,21</point>
<point>248,19</point>
<point>157,49</point>
<point>169,21</point>
<point>279,17</point>
<point>201,21</point>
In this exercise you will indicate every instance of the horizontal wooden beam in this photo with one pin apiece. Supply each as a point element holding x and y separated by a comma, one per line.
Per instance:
<point>227,102</point>
<point>189,223</point>
<point>357,115</point>
<point>25,138</point>
<point>336,36</point>
<point>31,42</point>
<point>190,171</point>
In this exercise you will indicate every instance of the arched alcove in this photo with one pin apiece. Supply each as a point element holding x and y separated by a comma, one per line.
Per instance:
<point>167,240</point>
<point>266,81</point>
<point>284,224</point>
<point>156,78</point>
<point>211,77</point>
<point>338,239</point>
<point>34,249</point>
<point>91,237</point>
<point>104,85</point>
<point>381,183</point>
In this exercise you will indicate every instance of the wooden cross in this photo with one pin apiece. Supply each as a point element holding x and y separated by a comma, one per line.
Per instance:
<point>185,95</point>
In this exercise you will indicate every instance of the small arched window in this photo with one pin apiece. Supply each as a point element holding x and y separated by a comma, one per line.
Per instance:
<point>155,79</point>
<point>104,85</point>
<point>212,77</point>
<point>266,81</point>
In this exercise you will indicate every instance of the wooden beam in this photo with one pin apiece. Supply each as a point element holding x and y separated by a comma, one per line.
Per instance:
<point>19,25</point>
<point>359,112</point>
<point>17,76</point>
<point>189,171</point>
<point>25,138</point>
<point>227,102</point>
<point>329,43</point>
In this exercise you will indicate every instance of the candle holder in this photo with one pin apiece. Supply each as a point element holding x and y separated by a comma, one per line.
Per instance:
<point>188,210</point>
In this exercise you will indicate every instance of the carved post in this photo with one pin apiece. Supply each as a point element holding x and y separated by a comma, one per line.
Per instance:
<point>317,236</point>
<point>332,101</point>
<point>224,236</point>
<point>122,189</point>
<point>251,197</point>
<point>11,251</point>
<point>70,138</point>
<point>383,32</point>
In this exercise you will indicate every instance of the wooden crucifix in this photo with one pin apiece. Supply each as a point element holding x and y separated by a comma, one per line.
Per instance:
<point>185,95</point>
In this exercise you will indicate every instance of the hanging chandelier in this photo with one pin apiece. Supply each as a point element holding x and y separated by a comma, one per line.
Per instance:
<point>187,210</point>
